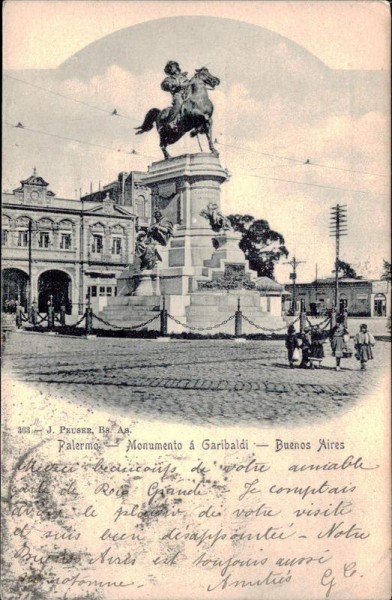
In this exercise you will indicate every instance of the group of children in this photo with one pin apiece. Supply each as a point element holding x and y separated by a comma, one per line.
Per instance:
<point>306,349</point>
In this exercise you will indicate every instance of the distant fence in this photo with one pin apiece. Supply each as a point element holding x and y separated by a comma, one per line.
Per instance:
<point>89,322</point>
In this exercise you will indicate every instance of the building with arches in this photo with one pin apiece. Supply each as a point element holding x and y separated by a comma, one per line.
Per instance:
<point>127,190</point>
<point>63,249</point>
<point>360,297</point>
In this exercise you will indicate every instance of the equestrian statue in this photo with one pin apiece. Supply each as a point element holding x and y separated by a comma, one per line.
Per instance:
<point>191,109</point>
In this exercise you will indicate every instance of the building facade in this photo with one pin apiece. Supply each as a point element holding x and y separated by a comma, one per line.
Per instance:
<point>129,191</point>
<point>65,249</point>
<point>361,297</point>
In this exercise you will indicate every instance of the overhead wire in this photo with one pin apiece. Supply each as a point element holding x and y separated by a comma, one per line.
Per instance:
<point>22,127</point>
<point>112,112</point>
<point>135,152</point>
<point>269,154</point>
<point>299,161</point>
<point>319,185</point>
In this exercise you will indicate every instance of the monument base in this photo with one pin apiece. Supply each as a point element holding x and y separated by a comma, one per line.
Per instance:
<point>146,283</point>
<point>194,260</point>
<point>200,310</point>
<point>129,311</point>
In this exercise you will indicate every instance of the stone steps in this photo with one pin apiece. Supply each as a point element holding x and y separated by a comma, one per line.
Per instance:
<point>120,313</point>
<point>248,310</point>
<point>129,301</point>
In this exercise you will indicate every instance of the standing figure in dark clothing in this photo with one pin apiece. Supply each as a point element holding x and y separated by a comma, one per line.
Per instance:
<point>316,349</point>
<point>306,339</point>
<point>291,344</point>
<point>337,342</point>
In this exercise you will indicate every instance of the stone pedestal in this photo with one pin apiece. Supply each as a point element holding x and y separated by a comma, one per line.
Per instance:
<point>181,188</point>
<point>146,283</point>
<point>228,252</point>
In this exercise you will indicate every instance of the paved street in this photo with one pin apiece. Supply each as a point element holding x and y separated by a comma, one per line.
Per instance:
<point>201,381</point>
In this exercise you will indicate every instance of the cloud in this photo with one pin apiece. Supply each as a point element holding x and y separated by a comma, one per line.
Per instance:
<point>286,121</point>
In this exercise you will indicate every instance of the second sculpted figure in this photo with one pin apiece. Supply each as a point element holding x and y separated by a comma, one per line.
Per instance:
<point>217,221</point>
<point>146,252</point>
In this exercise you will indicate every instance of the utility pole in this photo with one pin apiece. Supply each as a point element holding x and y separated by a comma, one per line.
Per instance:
<point>132,191</point>
<point>338,228</point>
<point>30,259</point>
<point>124,176</point>
<point>293,275</point>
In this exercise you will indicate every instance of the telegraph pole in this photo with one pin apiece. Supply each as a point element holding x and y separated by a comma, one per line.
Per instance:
<point>30,265</point>
<point>293,275</point>
<point>338,228</point>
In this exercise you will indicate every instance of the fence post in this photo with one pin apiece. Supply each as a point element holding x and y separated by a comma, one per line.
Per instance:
<point>33,312</point>
<point>89,320</point>
<point>333,318</point>
<point>50,315</point>
<point>163,317</point>
<point>238,320</point>
<point>18,316</point>
<point>62,315</point>
<point>302,317</point>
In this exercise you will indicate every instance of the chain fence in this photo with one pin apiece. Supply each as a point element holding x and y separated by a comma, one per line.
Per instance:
<point>28,319</point>
<point>80,320</point>
<point>89,317</point>
<point>269,329</point>
<point>133,327</point>
<point>321,324</point>
<point>194,328</point>
<point>42,319</point>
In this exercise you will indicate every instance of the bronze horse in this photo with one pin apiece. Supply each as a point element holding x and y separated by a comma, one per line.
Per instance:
<point>196,114</point>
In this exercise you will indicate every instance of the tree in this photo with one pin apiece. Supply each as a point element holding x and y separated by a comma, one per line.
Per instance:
<point>346,271</point>
<point>262,246</point>
<point>386,273</point>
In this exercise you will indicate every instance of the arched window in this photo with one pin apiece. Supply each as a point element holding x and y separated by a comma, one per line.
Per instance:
<point>380,305</point>
<point>140,206</point>
<point>343,302</point>
<point>97,237</point>
<point>65,228</point>
<point>5,230</point>
<point>117,240</point>
<point>45,229</point>
<point>22,231</point>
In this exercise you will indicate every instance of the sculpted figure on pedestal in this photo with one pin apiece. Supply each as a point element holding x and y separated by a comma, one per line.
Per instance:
<point>217,221</point>
<point>191,109</point>
<point>146,252</point>
<point>162,230</point>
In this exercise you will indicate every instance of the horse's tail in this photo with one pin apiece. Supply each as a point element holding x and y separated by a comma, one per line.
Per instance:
<point>149,121</point>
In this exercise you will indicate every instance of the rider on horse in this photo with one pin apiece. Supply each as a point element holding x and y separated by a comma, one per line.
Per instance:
<point>191,109</point>
<point>176,83</point>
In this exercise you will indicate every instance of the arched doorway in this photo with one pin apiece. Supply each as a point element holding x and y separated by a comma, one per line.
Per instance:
<point>54,285</point>
<point>343,302</point>
<point>14,286</point>
<point>380,305</point>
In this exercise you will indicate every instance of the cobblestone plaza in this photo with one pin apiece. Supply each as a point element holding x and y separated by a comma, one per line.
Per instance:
<point>211,382</point>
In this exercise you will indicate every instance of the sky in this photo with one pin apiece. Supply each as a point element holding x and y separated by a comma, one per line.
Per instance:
<point>324,100</point>
<point>337,32</point>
